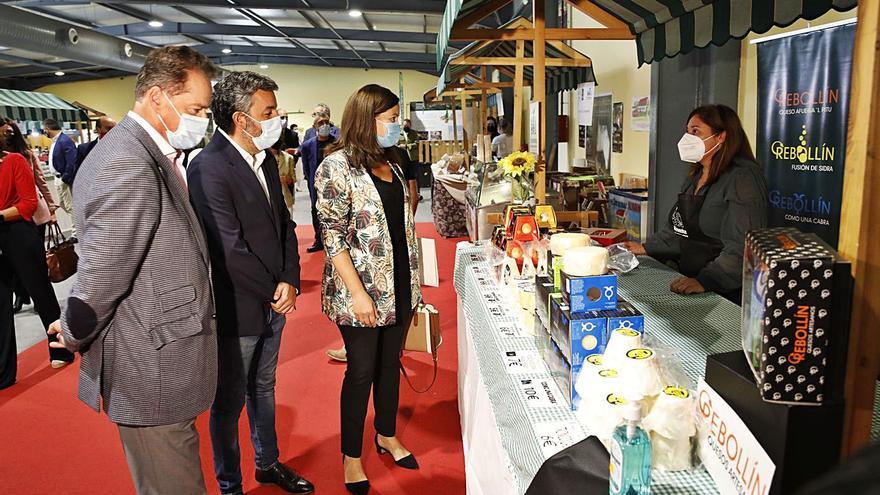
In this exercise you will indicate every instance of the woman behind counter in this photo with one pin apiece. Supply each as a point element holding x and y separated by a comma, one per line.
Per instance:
<point>371,282</point>
<point>723,197</point>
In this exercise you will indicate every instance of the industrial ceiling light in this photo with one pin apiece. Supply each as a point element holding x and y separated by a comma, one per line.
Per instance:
<point>59,73</point>
<point>355,13</point>
<point>226,50</point>
<point>264,66</point>
<point>156,24</point>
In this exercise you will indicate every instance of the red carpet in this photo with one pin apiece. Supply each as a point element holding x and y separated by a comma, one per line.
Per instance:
<point>52,443</point>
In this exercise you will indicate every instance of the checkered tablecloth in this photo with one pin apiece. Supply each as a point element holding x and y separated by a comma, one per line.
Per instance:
<point>530,435</point>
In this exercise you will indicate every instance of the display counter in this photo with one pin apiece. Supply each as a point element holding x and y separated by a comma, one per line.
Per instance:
<point>506,435</point>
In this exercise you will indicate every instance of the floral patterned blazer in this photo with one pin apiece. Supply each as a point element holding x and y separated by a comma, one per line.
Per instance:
<point>353,219</point>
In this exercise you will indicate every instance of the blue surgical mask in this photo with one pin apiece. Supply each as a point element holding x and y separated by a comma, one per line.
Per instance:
<point>324,130</point>
<point>392,134</point>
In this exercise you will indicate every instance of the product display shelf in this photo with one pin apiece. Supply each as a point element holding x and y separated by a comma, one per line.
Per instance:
<point>694,326</point>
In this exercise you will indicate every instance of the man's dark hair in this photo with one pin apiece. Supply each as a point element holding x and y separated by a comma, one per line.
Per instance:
<point>169,68</point>
<point>234,93</point>
<point>51,125</point>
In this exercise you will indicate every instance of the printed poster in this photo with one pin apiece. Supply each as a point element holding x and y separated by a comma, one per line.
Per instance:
<point>803,107</point>
<point>641,113</point>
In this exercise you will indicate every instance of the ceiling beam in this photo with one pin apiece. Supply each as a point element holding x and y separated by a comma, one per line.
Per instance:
<point>549,34</point>
<point>234,59</point>
<point>146,16</point>
<point>144,29</point>
<point>387,6</point>
<point>215,50</point>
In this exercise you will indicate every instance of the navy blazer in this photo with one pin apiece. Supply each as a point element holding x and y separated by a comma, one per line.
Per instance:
<point>309,153</point>
<point>253,245</point>
<point>64,158</point>
<point>83,150</point>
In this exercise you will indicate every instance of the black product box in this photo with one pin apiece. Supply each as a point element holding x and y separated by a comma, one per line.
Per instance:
<point>543,289</point>
<point>795,320</point>
<point>803,442</point>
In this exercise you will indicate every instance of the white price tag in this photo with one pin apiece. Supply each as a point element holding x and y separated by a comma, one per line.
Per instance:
<point>510,331</point>
<point>540,393</point>
<point>521,362</point>
<point>557,436</point>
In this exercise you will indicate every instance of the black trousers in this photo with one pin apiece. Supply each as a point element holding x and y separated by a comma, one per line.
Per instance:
<point>18,287</point>
<point>373,362</point>
<point>22,255</point>
<point>316,223</point>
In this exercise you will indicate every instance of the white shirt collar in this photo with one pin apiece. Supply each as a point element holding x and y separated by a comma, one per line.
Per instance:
<point>160,141</point>
<point>255,161</point>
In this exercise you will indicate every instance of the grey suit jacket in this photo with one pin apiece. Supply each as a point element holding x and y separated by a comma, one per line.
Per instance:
<point>141,310</point>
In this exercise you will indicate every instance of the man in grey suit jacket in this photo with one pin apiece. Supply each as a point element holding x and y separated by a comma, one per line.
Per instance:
<point>141,310</point>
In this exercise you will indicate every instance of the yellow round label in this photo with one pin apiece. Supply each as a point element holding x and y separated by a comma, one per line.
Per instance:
<point>589,342</point>
<point>608,373</point>
<point>616,400</point>
<point>627,332</point>
<point>595,359</point>
<point>680,392</point>
<point>639,353</point>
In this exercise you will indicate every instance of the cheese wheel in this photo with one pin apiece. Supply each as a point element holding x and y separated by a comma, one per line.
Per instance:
<point>585,261</point>
<point>560,243</point>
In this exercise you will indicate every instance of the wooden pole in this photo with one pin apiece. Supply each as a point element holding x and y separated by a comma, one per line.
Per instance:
<point>464,119</point>
<point>516,111</point>
<point>483,110</point>
<point>454,124</point>
<point>540,95</point>
<point>859,242</point>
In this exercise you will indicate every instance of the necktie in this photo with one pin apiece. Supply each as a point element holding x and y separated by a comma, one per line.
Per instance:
<point>179,170</point>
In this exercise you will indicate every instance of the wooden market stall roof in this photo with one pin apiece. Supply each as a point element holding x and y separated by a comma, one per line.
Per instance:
<point>662,29</point>
<point>33,106</point>
<point>565,66</point>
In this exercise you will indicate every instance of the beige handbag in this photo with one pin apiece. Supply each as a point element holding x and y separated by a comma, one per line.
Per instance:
<point>423,335</point>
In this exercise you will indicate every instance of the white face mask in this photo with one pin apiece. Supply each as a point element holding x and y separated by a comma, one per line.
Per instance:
<point>271,132</point>
<point>190,131</point>
<point>692,149</point>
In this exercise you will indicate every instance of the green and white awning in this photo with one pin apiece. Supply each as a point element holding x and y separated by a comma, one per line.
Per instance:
<point>666,28</point>
<point>31,106</point>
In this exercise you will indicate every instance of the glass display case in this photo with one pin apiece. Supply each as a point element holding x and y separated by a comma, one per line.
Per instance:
<point>488,192</point>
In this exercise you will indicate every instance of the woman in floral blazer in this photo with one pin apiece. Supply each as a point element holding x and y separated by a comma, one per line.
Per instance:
<point>371,278</point>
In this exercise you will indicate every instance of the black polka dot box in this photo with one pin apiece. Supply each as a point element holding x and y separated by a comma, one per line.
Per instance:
<point>788,278</point>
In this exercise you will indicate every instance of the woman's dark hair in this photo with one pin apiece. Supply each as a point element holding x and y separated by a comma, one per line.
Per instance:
<point>722,118</point>
<point>18,144</point>
<point>357,134</point>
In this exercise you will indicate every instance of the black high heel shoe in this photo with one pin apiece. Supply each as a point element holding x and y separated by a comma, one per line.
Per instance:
<point>408,462</point>
<point>358,487</point>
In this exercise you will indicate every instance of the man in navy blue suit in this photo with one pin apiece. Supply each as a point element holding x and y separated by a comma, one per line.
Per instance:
<point>62,160</point>
<point>104,125</point>
<point>312,153</point>
<point>236,190</point>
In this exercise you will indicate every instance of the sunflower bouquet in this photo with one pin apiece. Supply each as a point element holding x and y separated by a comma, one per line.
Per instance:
<point>518,167</point>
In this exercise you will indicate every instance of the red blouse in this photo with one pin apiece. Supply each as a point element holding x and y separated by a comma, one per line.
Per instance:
<point>17,187</point>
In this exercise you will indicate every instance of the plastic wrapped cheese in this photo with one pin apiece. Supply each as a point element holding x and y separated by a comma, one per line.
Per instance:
<point>640,374</point>
<point>562,242</point>
<point>671,425</point>
<point>585,261</point>
<point>670,454</point>
<point>620,342</point>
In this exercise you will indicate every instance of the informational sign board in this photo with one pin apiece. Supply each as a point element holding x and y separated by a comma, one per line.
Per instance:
<point>731,453</point>
<point>585,92</point>
<point>535,127</point>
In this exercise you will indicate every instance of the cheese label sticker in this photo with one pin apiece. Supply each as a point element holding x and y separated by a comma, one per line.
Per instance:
<point>674,391</point>
<point>627,332</point>
<point>595,359</point>
<point>640,353</point>
<point>615,399</point>
<point>608,373</point>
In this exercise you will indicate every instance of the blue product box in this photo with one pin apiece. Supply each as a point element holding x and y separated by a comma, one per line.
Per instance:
<point>578,335</point>
<point>590,293</point>
<point>625,316</point>
<point>563,373</point>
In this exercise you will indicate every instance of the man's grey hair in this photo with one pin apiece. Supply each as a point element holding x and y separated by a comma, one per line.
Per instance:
<point>234,93</point>
<point>324,108</point>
